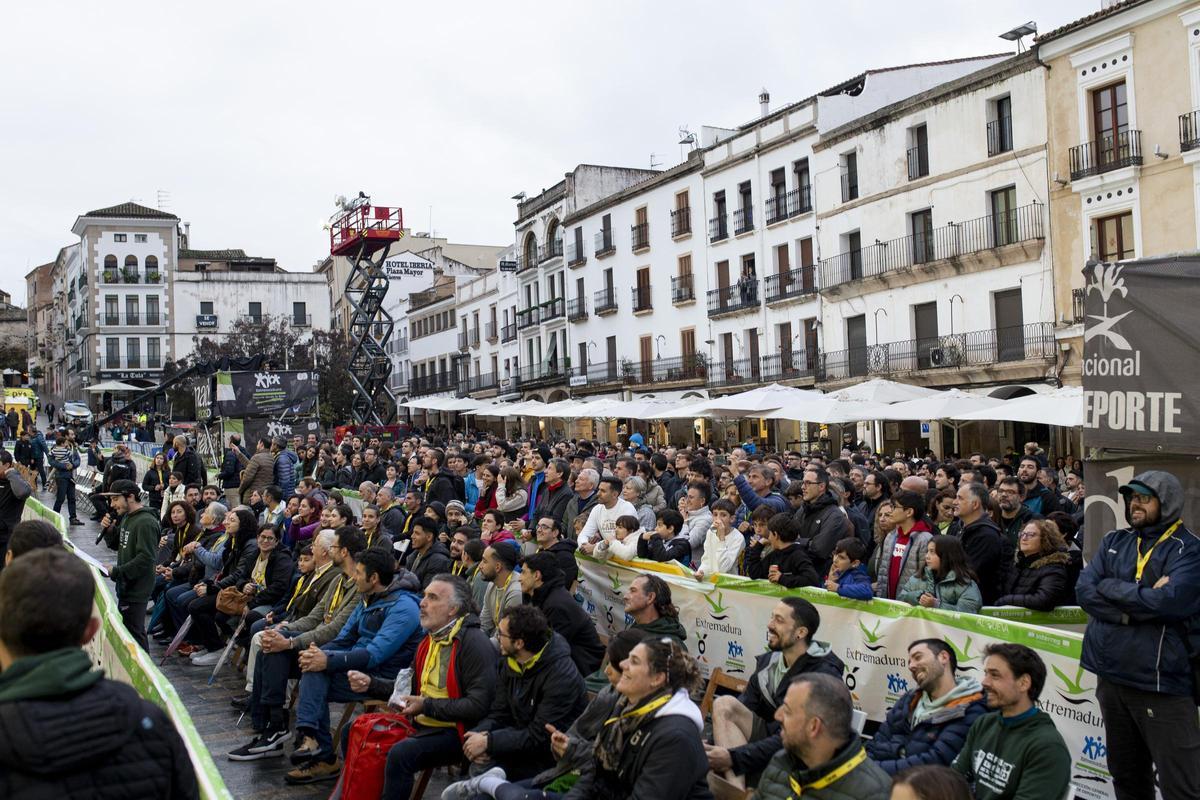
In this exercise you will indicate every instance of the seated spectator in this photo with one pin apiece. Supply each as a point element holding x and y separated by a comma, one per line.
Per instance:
<point>724,544</point>
<point>379,639</point>
<point>821,750</point>
<point>498,568</point>
<point>205,641</point>
<point>930,782</point>
<point>473,557</point>
<point>787,563</point>
<point>929,724</point>
<point>573,749</point>
<point>981,538</point>
<point>426,555</point>
<point>29,535</point>
<point>542,585</point>
<point>648,603</point>
<point>1018,752</point>
<point>1038,576</point>
<point>848,577</point>
<point>624,542</point>
<point>374,532</point>
<point>442,704</point>
<point>538,687</point>
<point>549,536</point>
<point>948,581</point>
<point>492,528</point>
<point>69,730</point>
<point>745,730</point>
<point>667,542</point>
<point>900,555</point>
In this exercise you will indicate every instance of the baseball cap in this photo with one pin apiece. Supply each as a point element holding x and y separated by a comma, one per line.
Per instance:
<point>1137,487</point>
<point>122,488</point>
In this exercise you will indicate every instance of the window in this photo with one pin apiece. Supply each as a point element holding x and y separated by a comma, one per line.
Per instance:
<point>112,354</point>
<point>641,229</point>
<point>255,313</point>
<point>140,238</point>
<point>856,345</point>
<point>152,310</point>
<point>110,264</point>
<point>921,227</point>
<point>777,201</point>
<point>854,254</point>
<point>1110,121</point>
<point>131,263</point>
<point>1112,237</point>
<point>151,265</point>
<point>681,217</point>
<point>999,129</point>
<point>583,354</point>
<point>641,292</point>
<point>719,224</point>
<point>804,250</point>
<point>206,307</point>
<point>111,309</point>
<point>918,152</point>
<point>120,237</point>
<point>1004,216</point>
<point>849,177</point>
<point>800,201</point>
<point>153,354</point>
<point>299,313</point>
<point>131,310</point>
<point>133,352</point>
<point>743,218</point>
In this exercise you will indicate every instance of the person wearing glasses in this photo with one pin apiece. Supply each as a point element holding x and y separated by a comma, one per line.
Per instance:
<point>1038,577</point>
<point>1014,514</point>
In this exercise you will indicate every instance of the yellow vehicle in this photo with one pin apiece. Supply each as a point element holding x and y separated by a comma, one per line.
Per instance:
<point>21,400</point>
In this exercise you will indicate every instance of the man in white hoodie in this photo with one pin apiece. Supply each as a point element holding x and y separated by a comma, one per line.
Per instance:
<point>602,522</point>
<point>697,518</point>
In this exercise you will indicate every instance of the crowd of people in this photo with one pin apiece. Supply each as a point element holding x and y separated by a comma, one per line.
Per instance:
<point>438,574</point>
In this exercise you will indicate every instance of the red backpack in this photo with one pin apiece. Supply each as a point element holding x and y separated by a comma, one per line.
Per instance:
<point>371,737</point>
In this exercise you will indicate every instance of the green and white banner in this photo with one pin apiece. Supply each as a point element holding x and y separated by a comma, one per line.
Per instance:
<point>726,622</point>
<point>114,651</point>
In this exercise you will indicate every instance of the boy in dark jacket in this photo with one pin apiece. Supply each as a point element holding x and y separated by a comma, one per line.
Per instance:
<point>787,563</point>
<point>665,543</point>
<point>137,545</point>
<point>848,577</point>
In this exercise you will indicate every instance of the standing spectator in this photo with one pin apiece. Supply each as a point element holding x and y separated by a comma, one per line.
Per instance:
<point>901,555</point>
<point>1142,594</point>
<point>1038,498</point>
<point>283,470</point>
<point>64,458</point>
<point>137,544</point>
<point>982,540</point>
<point>76,728</point>
<point>820,524</point>
<point>230,472</point>
<point>187,463</point>
<point>155,482</point>
<point>1014,514</point>
<point>14,491</point>
<point>441,483</point>
<point>1017,753</point>
<point>259,472</point>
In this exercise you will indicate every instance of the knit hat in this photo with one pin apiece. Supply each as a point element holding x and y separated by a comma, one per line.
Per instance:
<point>544,452</point>
<point>458,504</point>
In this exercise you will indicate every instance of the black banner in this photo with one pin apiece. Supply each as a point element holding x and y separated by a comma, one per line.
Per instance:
<point>263,393</point>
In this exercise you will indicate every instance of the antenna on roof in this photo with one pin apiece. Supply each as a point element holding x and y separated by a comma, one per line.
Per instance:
<point>1016,33</point>
<point>654,164</point>
<point>164,200</point>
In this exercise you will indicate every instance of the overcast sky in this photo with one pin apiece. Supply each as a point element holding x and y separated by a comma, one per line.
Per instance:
<point>253,116</point>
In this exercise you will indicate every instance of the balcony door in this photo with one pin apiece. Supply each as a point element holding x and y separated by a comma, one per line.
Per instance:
<point>785,348</point>
<point>921,223</point>
<point>1004,216</point>
<point>646,354</point>
<point>808,275</point>
<point>611,357</point>
<point>926,325</point>
<point>1010,331</point>
<point>687,350</point>
<point>856,345</point>
<point>723,284</point>
<point>752,351</point>
<point>1110,119</point>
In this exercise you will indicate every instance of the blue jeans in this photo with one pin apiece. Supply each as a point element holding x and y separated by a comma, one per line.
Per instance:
<point>65,491</point>
<point>178,599</point>
<point>317,691</point>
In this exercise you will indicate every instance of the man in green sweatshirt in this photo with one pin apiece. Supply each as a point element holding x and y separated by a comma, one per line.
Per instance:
<point>1017,753</point>
<point>137,544</point>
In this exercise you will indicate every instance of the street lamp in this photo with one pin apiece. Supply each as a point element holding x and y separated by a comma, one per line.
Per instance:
<point>953,297</point>
<point>885,313</point>
<point>659,341</point>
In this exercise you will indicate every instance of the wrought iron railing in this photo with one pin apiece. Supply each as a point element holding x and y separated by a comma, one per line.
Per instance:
<point>577,309</point>
<point>551,249</point>
<point>576,255</point>
<point>718,228</point>
<point>681,221</point>
<point>604,243</point>
<point>777,209</point>
<point>641,298</point>
<point>793,283</point>
<point>683,288</point>
<point>431,384</point>
<point>999,136</point>
<point>605,301</point>
<point>743,294</point>
<point>640,236</point>
<point>552,309</point>
<point>1106,154</point>
<point>799,200</point>
<point>743,220</point>
<point>1189,131</point>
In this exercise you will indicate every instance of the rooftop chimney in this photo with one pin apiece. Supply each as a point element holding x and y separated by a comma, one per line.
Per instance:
<point>764,101</point>
<point>187,231</point>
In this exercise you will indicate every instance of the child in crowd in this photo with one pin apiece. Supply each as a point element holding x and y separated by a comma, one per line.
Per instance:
<point>624,545</point>
<point>723,544</point>
<point>667,542</point>
<point>849,577</point>
<point>787,563</point>
<point>947,582</point>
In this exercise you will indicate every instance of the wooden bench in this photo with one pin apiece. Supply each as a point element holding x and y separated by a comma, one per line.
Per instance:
<point>719,678</point>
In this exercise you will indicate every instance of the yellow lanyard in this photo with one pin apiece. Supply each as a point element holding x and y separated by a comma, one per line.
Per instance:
<point>181,539</point>
<point>519,668</point>
<point>832,777</point>
<point>654,705</point>
<point>1144,559</point>
<point>433,658</point>
<point>370,536</point>
<point>296,593</point>
<point>458,568</point>
<point>500,599</point>
<point>307,587</point>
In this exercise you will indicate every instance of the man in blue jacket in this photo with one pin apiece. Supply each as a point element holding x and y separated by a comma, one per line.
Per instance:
<point>929,724</point>
<point>756,486</point>
<point>285,465</point>
<point>379,639</point>
<point>1142,595</point>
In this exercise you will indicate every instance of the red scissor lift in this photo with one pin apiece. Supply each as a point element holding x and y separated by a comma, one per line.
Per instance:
<point>364,234</point>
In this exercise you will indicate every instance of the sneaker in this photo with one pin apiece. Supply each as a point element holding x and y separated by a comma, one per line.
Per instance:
<point>314,772</point>
<point>76,521</point>
<point>464,790</point>
<point>241,703</point>
<point>267,745</point>
<point>307,749</point>
<point>206,659</point>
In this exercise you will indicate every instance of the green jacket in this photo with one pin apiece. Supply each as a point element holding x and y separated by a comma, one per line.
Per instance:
<point>951,595</point>
<point>137,546</point>
<point>865,780</point>
<point>1020,758</point>
<point>664,626</point>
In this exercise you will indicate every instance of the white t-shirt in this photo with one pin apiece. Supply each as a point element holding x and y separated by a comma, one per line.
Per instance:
<point>602,522</point>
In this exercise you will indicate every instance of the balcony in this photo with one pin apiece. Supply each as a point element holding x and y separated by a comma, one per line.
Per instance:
<point>153,362</point>
<point>577,309</point>
<point>489,332</point>
<point>462,341</point>
<point>640,236</point>
<point>402,346</point>
<point>728,299</point>
<point>918,162</point>
<point>743,220</point>
<point>508,333</point>
<point>206,320</point>
<point>252,319</point>
<point>1106,154</point>
<point>551,250</point>
<point>552,309</point>
<point>999,136</point>
<point>738,372</point>
<point>538,374</point>
<point>528,317</point>
<point>484,382</point>
<point>793,283</point>
<point>718,228</point>
<point>576,255</point>
<point>681,222</point>
<point>421,385</point>
<point>788,365</point>
<point>604,243</point>
<point>605,302</point>
<point>300,320</point>
<point>849,186</point>
<point>1189,131</point>
<point>641,299</point>
<point>972,350</point>
<point>154,319</point>
<point>1078,306</point>
<point>689,367</point>
<point>133,361</point>
<point>123,320</point>
<point>527,260</point>
<point>683,288</point>
<point>799,200</point>
<point>948,242</point>
<point>475,337</point>
<point>777,209</point>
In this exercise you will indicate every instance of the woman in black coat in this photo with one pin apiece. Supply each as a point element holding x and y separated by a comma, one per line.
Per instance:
<point>1037,578</point>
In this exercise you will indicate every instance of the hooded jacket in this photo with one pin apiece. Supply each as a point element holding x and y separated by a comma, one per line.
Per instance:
<point>549,690</point>
<point>677,548</point>
<point>1012,527</point>
<point>66,732</point>
<point>919,731</point>
<point>434,561</point>
<point>949,593</point>
<point>1136,634</point>
<point>1022,756</point>
<point>284,471</point>
<point>663,626</point>
<point>552,502</point>
<point>986,553</point>
<point>569,619</point>
<point>819,526</point>
<point>795,565</point>
<point>14,491</point>
<point>1039,583</point>
<point>763,700</point>
<point>664,760</point>
<point>381,635</point>
<point>137,537</point>
<point>445,486</point>
<point>564,555</point>
<point>189,465</point>
<point>911,563</point>
<point>695,527</point>
<point>865,780</point>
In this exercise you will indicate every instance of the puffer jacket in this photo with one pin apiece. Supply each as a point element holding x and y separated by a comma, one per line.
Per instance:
<point>819,526</point>
<point>284,471</point>
<point>865,780</point>
<point>911,563</point>
<point>568,618</point>
<point>1135,633</point>
<point>937,738</point>
<point>425,566</point>
<point>1039,583</point>
<point>382,634</point>
<point>951,595</point>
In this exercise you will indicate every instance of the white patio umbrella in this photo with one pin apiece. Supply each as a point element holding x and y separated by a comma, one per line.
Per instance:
<point>113,386</point>
<point>944,406</point>
<point>829,409</point>
<point>685,411</point>
<point>1062,407</point>
<point>881,390</point>
<point>756,401</point>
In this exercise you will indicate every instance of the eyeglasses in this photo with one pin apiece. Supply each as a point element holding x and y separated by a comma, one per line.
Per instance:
<point>1030,534</point>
